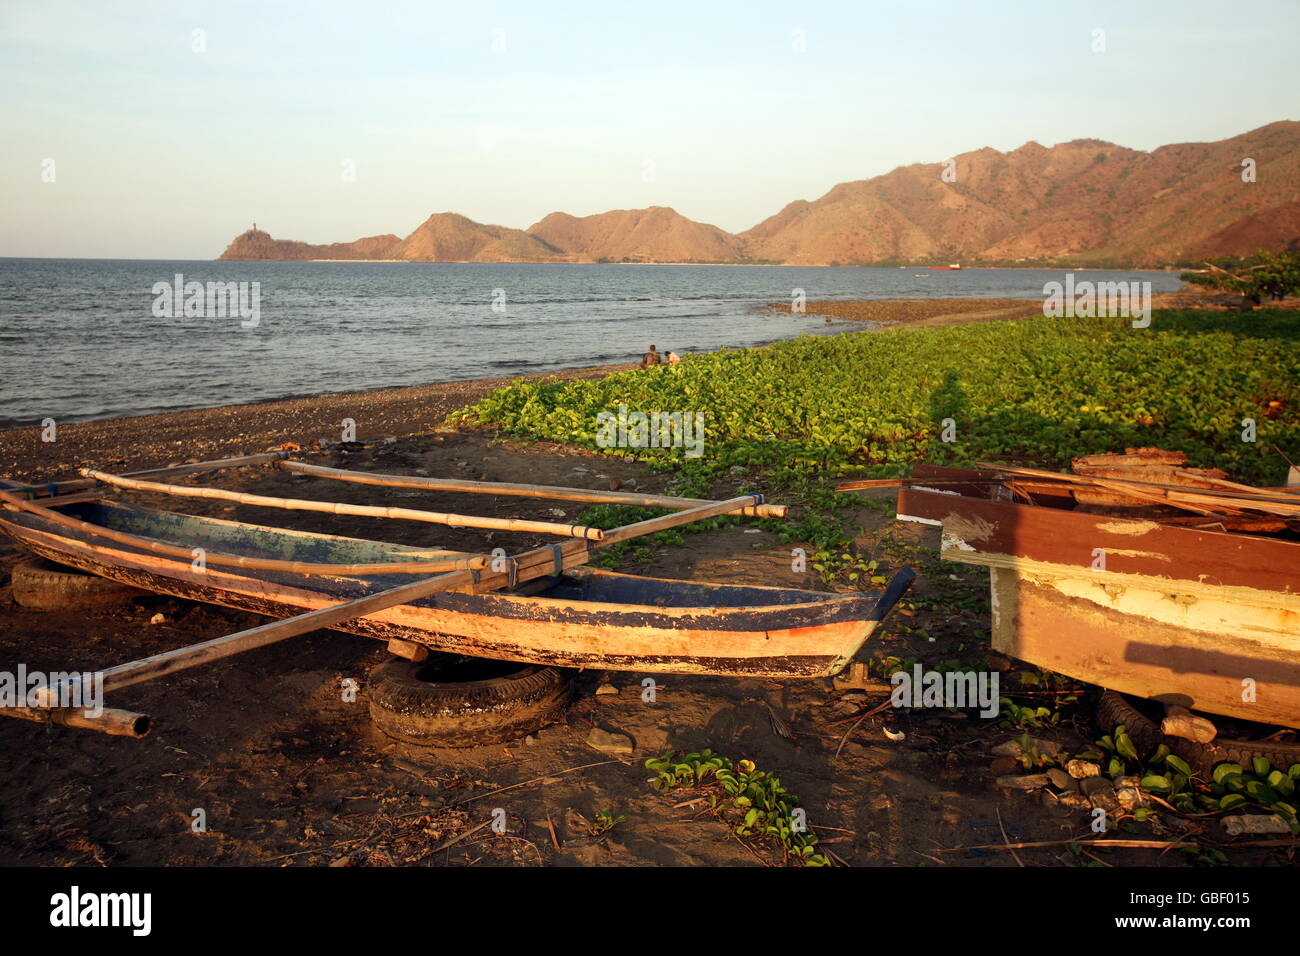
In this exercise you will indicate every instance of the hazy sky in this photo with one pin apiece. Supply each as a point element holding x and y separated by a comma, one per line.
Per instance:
<point>505,112</point>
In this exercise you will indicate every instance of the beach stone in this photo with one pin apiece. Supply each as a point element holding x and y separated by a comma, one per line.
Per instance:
<point>1258,823</point>
<point>1105,801</point>
<point>1075,801</point>
<point>609,743</point>
<point>1095,786</point>
<point>1060,779</point>
<point>1130,798</point>
<point>606,689</point>
<point>1003,766</point>
<point>842,708</point>
<point>1011,748</point>
<point>1027,782</point>
<point>1080,769</point>
<point>1126,783</point>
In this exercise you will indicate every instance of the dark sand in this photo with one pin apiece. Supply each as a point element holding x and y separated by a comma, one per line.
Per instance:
<point>207,433</point>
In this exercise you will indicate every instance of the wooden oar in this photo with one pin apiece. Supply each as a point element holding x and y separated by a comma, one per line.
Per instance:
<point>550,492</point>
<point>341,508</point>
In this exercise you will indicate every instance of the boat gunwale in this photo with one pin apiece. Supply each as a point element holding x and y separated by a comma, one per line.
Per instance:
<point>832,602</point>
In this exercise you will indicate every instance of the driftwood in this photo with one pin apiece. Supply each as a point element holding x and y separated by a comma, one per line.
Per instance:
<point>550,492</point>
<point>340,508</point>
<point>1181,722</point>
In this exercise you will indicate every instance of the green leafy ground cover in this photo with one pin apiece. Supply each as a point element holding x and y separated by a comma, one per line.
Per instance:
<point>1042,390</point>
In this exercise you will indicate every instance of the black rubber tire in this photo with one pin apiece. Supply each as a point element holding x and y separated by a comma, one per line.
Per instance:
<point>41,585</point>
<point>433,713</point>
<point>1114,709</point>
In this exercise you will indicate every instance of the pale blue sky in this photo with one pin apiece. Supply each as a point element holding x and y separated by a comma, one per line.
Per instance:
<point>161,151</point>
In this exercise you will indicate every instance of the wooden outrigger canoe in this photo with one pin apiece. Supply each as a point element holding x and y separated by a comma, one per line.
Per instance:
<point>539,606</point>
<point>1199,618</point>
<point>581,618</point>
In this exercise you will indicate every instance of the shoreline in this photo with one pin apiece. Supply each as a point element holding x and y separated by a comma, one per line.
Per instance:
<point>221,431</point>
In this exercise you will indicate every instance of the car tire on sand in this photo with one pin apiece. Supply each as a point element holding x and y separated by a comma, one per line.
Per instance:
<point>1115,709</point>
<point>41,585</point>
<point>450,701</point>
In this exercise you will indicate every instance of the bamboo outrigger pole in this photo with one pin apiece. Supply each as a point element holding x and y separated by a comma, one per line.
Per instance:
<point>119,723</point>
<point>550,492</point>
<point>59,488</point>
<point>340,508</point>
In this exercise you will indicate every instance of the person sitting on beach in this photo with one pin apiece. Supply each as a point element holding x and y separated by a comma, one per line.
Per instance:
<point>672,358</point>
<point>650,358</point>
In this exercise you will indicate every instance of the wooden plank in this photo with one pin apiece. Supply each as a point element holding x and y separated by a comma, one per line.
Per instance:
<point>238,560</point>
<point>341,508</point>
<point>1131,546</point>
<point>1167,493</point>
<point>550,492</point>
<point>1125,642</point>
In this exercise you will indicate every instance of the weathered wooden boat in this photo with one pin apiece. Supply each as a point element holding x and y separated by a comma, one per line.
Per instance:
<point>1193,616</point>
<point>540,606</point>
<point>581,618</point>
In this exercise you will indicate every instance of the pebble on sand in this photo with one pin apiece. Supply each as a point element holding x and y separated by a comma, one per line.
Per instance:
<point>1079,769</point>
<point>609,743</point>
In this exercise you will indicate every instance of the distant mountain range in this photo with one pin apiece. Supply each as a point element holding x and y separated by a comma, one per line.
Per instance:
<point>1086,202</point>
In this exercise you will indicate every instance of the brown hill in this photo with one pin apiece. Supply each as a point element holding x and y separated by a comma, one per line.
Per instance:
<point>256,244</point>
<point>1086,202</point>
<point>657,234</point>
<point>448,237</point>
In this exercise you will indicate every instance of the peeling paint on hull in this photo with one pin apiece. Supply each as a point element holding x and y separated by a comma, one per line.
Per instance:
<point>1207,620</point>
<point>586,619</point>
